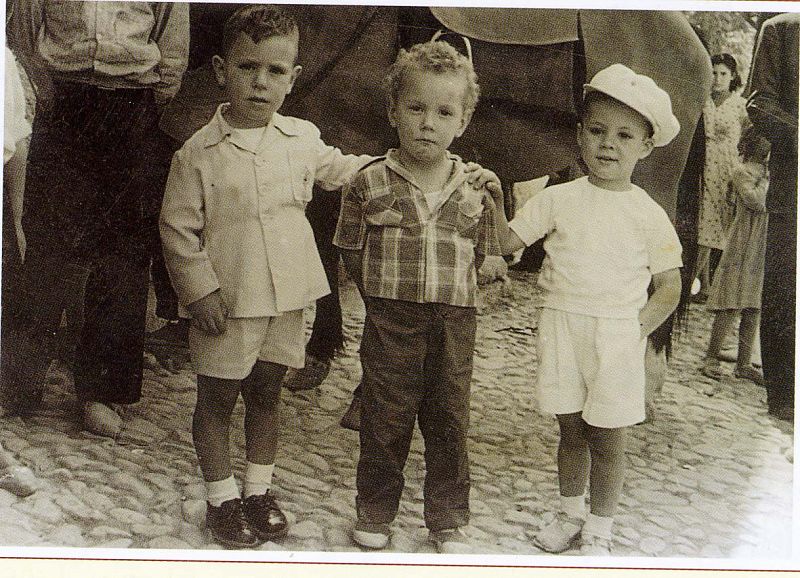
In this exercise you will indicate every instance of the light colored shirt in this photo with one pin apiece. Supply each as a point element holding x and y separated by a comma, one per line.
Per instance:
<point>16,126</point>
<point>413,251</point>
<point>110,44</point>
<point>233,216</point>
<point>602,247</point>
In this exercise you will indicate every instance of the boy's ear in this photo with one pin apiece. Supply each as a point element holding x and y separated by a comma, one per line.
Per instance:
<point>218,64</point>
<point>647,148</point>
<point>295,73</point>
<point>464,123</point>
<point>391,112</point>
<point>579,133</point>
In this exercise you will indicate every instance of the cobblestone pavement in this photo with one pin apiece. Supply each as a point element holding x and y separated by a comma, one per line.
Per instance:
<point>709,476</point>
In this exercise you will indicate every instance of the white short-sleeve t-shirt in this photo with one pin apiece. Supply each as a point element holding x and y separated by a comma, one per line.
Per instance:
<point>602,247</point>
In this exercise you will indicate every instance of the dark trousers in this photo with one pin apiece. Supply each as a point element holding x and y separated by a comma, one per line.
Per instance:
<point>778,309</point>
<point>94,187</point>
<point>417,361</point>
<point>327,337</point>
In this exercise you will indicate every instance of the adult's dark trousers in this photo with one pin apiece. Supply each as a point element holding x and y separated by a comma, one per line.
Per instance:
<point>417,361</point>
<point>92,198</point>
<point>778,309</point>
<point>327,336</point>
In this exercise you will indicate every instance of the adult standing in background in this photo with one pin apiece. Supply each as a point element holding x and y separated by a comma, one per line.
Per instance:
<point>724,115</point>
<point>772,107</point>
<point>93,190</point>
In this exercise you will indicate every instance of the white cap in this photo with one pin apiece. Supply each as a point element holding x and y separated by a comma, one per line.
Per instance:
<point>642,94</point>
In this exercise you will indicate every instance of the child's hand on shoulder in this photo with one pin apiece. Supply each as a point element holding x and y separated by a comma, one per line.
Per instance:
<point>480,177</point>
<point>209,313</point>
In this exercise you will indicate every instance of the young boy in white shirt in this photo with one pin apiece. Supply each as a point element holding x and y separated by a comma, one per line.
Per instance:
<point>243,260</point>
<point>605,240</point>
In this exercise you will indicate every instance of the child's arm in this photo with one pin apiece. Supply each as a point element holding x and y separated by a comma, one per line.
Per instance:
<point>351,232</point>
<point>508,239</point>
<point>663,301</point>
<point>751,190</point>
<point>181,224</point>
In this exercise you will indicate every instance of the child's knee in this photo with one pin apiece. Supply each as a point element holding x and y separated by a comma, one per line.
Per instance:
<point>262,388</point>
<point>609,442</point>
<point>216,396</point>
<point>572,431</point>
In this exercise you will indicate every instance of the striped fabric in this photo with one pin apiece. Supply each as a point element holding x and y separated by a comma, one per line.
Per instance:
<point>416,249</point>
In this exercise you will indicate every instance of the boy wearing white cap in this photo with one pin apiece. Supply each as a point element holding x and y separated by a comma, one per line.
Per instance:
<point>605,240</point>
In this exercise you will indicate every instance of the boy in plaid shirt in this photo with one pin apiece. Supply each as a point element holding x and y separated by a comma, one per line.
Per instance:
<point>410,230</point>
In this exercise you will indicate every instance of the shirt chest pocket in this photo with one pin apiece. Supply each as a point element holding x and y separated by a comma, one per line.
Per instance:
<point>383,211</point>
<point>468,214</point>
<point>302,169</point>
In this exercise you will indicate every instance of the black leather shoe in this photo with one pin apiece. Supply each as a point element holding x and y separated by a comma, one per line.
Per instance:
<point>228,525</point>
<point>265,517</point>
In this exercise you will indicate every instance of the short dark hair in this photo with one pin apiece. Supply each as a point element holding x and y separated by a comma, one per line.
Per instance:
<point>258,21</point>
<point>729,62</point>
<point>594,96</point>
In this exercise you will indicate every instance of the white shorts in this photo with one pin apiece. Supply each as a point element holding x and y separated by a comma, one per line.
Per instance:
<point>591,365</point>
<point>233,354</point>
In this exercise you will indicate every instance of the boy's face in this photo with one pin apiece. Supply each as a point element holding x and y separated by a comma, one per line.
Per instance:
<point>257,77</point>
<point>429,114</point>
<point>612,139</point>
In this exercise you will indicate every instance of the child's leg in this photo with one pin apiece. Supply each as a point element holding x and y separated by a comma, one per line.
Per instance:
<point>216,399</point>
<point>261,392</point>
<point>748,328</point>
<point>225,517</point>
<point>573,457</point>
<point>573,475</point>
<point>607,474</point>
<point>723,321</point>
<point>392,355</point>
<point>444,416</point>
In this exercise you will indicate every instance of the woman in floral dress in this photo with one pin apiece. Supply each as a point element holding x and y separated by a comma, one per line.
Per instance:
<point>724,116</point>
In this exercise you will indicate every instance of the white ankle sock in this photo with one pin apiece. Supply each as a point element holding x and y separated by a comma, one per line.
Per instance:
<point>221,491</point>
<point>574,506</point>
<point>257,479</point>
<point>599,526</point>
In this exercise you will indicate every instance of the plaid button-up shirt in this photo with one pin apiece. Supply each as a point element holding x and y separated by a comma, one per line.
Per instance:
<point>413,251</point>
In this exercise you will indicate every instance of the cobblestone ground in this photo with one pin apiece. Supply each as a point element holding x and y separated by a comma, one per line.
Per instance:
<point>709,476</point>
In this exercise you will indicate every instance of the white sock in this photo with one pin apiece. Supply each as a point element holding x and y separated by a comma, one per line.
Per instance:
<point>599,526</point>
<point>257,479</point>
<point>574,506</point>
<point>221,491</point>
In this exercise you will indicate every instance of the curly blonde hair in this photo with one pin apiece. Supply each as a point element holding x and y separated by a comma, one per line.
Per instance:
<point>432,56</point>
